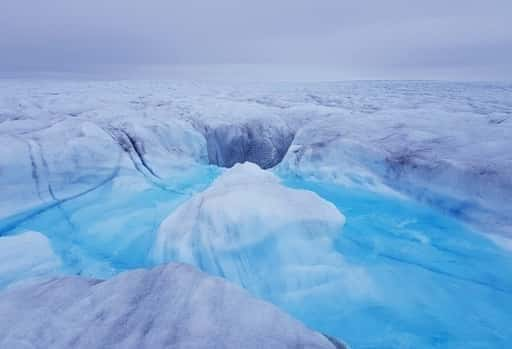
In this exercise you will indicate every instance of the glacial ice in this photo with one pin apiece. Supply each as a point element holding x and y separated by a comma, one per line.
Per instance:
<point>26,255</point>
<point>442,143</point>
<point>172,306</point>
<point>250,229</point>
<point>260,141</point>
<point>97,166</point>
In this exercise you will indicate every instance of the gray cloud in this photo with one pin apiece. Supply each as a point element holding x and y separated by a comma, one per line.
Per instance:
<point>393,38</point>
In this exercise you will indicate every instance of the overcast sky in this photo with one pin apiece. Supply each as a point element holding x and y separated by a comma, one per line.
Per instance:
<point>465,39</point>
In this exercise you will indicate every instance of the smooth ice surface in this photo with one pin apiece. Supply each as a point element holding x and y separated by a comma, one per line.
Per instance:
<point>26,255</point>
<point>173,306</point>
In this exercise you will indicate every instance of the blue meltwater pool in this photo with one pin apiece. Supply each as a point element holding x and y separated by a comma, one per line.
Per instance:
<point>437,283</point>
<point>415,277</point>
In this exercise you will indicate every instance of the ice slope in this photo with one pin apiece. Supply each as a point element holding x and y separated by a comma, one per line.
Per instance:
<point>57,150</point>
<point>250,229</point>
<point>172,306</point>
<point>447,167</point>
<point>27,255</point>
<point>99,167</point>
<point>444,144</point>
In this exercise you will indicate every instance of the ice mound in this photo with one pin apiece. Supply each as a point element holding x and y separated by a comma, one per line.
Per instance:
<point>250,229</point>
<point>26,255</point>
<point>172,306</point>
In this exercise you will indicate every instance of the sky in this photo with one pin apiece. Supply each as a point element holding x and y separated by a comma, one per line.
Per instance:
<point>341,39</point>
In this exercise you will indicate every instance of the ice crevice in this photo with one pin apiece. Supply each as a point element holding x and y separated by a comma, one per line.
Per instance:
<point>130,145</point>
<point>259,141</point>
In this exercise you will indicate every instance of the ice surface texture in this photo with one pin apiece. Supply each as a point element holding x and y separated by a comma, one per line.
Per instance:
<point>96,167</point>
<point>447,144</point>
<point>172,306</point>
<point>263,142</point>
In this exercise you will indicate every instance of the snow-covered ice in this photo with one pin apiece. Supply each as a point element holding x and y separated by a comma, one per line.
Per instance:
<point>27,255</point>
<point>111,173</point>
<point>172,306</point>
<point>251,229</point>
<point>443,143</point>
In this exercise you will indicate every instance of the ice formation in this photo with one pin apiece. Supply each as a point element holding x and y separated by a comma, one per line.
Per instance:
<point>27,255</point>
<point>442,143</point>
<point>97,167</point>
<point>172,306</point>
<point>440,163</point>
<point>249,228</point>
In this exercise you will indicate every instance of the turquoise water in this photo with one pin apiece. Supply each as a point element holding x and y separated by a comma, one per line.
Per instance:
<point>435,283</point>
<point>112,229</point>
<point>438,284</point>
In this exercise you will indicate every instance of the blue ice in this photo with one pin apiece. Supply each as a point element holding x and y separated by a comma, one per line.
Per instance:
<point>438,284</point>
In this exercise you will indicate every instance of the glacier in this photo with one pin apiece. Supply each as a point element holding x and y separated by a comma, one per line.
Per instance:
<point>173,306</point>
<point>378,213</point>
